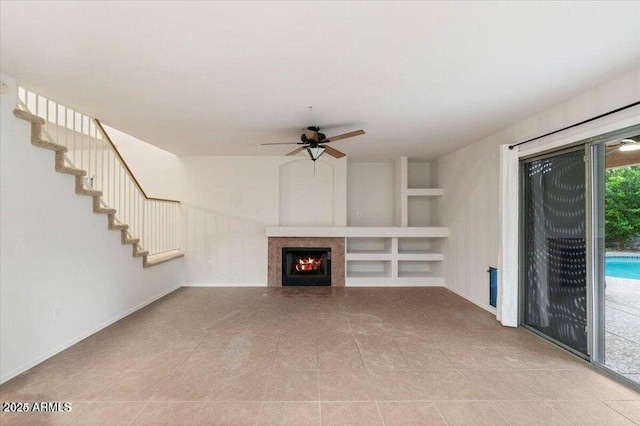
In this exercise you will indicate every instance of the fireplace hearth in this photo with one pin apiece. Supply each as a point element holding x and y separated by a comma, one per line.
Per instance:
<point>306,266</point>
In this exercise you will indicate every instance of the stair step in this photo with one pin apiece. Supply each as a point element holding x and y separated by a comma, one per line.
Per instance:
<point>138,251</point>
<point>61,167</point>
<point>49,145</point>
<point>71,171</point>
<point>26,115</point>
<point>104,210</point>
<point>89,192</point>
<point>159,258</point>
<point>141,253</point>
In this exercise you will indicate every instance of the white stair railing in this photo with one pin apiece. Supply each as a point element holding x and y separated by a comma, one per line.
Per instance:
<point>153,220</point>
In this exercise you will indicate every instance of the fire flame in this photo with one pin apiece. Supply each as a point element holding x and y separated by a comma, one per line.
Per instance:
<point>308,264</point>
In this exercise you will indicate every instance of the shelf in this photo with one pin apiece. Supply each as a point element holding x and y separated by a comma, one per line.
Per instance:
<point>415,274</point>
<point>414,245</point>
<point>414,269</point>
<point>420,256</point>
<point>394,282</point>
<point>418,212</point>
<point>369,268</point>
<point>368,256</point>
<point>425,192</point>
<point>369,245</point>
<point>418,174</point>
<point>367,275</point>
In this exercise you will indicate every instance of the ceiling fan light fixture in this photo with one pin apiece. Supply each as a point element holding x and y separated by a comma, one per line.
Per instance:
<point>629,145</point>
<point>315,152</point>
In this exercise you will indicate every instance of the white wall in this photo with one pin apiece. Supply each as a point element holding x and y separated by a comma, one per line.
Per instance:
<point>370,194</point>
<point>159,172</point>
<point>221,249</point>
<point>234,198</point>
<point>46,262</point>
<point>470,178</point>
<point>307,193</point>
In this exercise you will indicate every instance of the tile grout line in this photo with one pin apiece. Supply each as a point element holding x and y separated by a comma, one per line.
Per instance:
<point>260,413</point>
<point>380,413</point>
<point>319,400</point>
<point>559,413</point>
<point>622,414</point>
<point>402,354</point>
<point>440,413</point>
<point>204,405</point>
<point>140,412</point>
<point>499,413</point>
<point>235,349</point>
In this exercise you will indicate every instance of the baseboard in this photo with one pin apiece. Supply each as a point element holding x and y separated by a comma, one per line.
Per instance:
<point>224,285</point>
<point>391,284</point>
<point>490,309</point>
<point>10,375</point>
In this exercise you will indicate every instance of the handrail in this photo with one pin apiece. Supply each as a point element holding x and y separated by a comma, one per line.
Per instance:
<point>153,223</point>
<point>126,166</point>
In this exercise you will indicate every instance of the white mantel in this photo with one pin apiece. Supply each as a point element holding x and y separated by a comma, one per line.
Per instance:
<point>357,231</point>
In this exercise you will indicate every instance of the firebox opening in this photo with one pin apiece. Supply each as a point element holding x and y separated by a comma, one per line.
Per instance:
<point>306,266</point>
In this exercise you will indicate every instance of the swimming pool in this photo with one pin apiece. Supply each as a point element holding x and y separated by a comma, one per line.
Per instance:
<point>623,267</point>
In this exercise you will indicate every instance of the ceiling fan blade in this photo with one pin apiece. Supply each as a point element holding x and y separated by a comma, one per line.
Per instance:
<point>334,152</point>
<point>295,151</point>
<point>344,136</point>
<point>281,143</point>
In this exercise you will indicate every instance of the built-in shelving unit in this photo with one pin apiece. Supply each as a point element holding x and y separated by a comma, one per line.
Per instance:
<point>404,249</point>
<point>398,261</point>
<point>407,254</point>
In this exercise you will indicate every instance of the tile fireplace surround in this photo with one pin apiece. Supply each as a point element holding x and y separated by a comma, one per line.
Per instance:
<point>274,261</point>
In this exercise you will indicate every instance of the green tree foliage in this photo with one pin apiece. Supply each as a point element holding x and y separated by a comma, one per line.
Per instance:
<point>622,213</point>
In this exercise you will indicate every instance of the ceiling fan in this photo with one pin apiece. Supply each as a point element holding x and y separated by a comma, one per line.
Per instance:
<point>624,145</point>
<point>315,143</point>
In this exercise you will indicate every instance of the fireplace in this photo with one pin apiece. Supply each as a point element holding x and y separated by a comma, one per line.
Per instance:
<point>306,266</point>
<point>275,270</point>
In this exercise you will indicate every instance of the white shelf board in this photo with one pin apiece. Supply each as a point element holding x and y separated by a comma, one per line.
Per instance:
<point>358,251</point>
<point>358,231</point>
<point>394,282</point>
<point>368,275</point>
<point>415,274</point>
<point>372,255</point>
<point>424,192</point>
<point>429,257</point>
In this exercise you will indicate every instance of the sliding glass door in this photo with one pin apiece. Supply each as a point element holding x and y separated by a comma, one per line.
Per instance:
<point>580,250</point>
<point>554,249</point>
<point>616,260</point>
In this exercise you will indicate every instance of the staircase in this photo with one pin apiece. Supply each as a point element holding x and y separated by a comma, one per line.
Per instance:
<point>148,224</point>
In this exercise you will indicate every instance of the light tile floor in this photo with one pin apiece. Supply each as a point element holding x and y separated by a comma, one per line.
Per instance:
<point>298,356</point>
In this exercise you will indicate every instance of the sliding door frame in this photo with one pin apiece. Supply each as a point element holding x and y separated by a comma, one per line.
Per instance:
<point>596,249</point>
<point>578,146</point>
<point>593,148</point>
